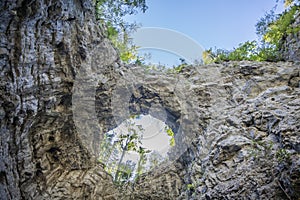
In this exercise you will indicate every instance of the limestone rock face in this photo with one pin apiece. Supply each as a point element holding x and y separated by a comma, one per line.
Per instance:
<point>62,86</point>
<point>291,44</point>
<point>43,45</point>
<point>252,136</point>
<point>238,124</point>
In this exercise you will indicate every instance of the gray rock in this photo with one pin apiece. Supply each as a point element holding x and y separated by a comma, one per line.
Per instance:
<point>291,44</point>
<point>62,87</point>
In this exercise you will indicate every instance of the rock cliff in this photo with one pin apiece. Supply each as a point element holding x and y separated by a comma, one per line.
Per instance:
<point>291,44</point>
<point>62,86</point>
<point>43,45</point>
<point>241,123</point>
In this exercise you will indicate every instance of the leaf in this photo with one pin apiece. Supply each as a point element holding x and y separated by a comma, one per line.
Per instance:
<point>172,142</point>
<point>170,132</point>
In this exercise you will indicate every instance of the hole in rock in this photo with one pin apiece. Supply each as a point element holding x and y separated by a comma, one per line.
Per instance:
<point>138,145</point>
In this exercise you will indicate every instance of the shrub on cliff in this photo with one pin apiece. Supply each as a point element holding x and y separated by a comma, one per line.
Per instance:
<point>272,30</point>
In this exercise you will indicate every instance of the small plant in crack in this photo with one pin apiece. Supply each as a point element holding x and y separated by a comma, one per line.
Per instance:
<point>282,155</point>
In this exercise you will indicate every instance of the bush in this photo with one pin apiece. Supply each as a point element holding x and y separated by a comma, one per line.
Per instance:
<point>272,30</point>
<point>249,50</point>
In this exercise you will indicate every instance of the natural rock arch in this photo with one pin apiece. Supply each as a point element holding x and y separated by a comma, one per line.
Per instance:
<point>46,48</point>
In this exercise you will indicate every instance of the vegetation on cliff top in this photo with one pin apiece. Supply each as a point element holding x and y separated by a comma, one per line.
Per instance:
<point>272,29</point>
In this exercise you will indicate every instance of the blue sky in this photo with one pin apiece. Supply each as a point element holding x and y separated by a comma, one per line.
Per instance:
<point>211,23</point>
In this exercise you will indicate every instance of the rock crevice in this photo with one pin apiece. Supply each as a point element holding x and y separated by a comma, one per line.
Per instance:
<point>62,87</point>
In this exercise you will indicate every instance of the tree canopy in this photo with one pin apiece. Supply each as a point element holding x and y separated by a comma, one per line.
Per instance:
<point>272,29</point>
<point>111,14</point>
<point>125,156</point>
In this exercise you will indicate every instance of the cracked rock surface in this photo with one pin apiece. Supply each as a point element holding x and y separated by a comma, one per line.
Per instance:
<point>236,124</point>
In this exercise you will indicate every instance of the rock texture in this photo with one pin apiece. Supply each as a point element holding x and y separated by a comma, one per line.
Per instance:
<point>62,86</point>
<point>43,45</point>
<point>252,137</point>
<point>238,125</point>
<point>291,43</point>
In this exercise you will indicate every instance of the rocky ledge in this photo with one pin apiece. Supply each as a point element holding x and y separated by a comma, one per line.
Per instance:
<point>238,123</point>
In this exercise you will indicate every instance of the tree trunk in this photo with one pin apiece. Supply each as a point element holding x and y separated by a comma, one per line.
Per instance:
<point>43,45</point>
<point>124,149</point>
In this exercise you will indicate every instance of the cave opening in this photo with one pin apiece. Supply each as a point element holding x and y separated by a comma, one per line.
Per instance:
<point>138,145</point>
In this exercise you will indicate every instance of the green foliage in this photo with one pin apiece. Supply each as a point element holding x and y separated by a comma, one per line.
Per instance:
<point>272,30</point>
<point>142,161</point>
<point>279,28</point>
<point>260,149</point>
<point>171,134</point>
<point>278,160</point>
<point>288,3</point>
<point>113,11</point>
<point>114,146</point>
<point>283,155</point>
<point>129,141</point>
<point>125,173</point>
<point>173,69</point>
<point>264,22</point>
<point>180,67</point>
<point>110,13</point>
<point>263,150</point>
<point>163,68</point>
<point>207,56</point>
<point>190,187</point>
<point>121,41</point>
<point>125,141</point>
<point>245,51</point>
<point>249,50</point>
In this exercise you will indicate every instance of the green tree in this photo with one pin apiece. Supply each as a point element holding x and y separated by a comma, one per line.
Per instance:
<point>111,13</point>
<point>109,152</point>
<point>126,171</point>
<point>280,28</point>
<point>114,11</point>
<point>129,141</point>
<point>272,30</point>
<point>142,160</point>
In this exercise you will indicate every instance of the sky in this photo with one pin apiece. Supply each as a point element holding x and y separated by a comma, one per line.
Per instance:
<point>153,138</point>
<point>211,23</point>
